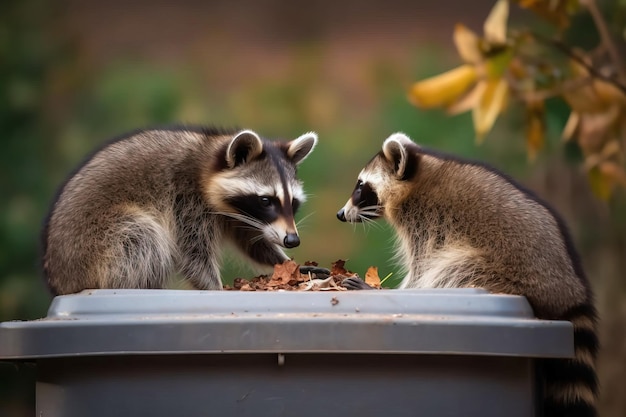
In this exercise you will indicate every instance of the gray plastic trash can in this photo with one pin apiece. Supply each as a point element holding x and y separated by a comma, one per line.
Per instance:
<point>155,353</point>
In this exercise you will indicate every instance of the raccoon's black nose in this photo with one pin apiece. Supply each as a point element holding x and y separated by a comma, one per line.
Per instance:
<point>341,215</point>
<point>291,240</point>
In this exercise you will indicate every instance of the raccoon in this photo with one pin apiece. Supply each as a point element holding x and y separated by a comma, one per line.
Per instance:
<point>464,224</point>
<point>160,201</point>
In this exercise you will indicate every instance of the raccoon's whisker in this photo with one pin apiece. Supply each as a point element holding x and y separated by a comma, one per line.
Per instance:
<point>370,209</point>
<point>247,227</point>
<point>243,218</point>
<point>178,225</point>
<point>301,221</point>
<point>371,222</point>
<point>364,223</point>
<point>257,238</point>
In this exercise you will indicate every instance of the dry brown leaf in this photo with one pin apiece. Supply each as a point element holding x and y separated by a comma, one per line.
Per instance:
<point>284,273</point>
<point>601,186</point>
<point>556,12</point>
<point>287,277</point>
<point>614,172</point>
<point>371,277</point>
<point>535,128</point>
<point>327,284</point>
<point>337,268</point>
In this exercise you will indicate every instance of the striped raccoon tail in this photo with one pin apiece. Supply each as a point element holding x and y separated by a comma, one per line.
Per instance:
<point>571,385</point>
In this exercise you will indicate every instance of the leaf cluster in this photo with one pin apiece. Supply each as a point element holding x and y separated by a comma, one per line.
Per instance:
<point>530,68</point>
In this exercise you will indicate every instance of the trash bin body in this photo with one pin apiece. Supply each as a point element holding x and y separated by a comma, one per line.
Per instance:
<point>159,353</point>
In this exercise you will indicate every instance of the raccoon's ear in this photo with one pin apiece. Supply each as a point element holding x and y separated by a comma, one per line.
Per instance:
<point>243,147</point>
<point>298,149</point>
<point>396,153</point>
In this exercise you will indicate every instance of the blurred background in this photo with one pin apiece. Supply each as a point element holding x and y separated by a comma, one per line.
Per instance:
<point>73,74</point>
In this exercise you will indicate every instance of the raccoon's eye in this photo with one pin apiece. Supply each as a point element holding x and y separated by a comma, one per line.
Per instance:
<point>265,201</point>
<point>359,184</point>
<point>295,203</point>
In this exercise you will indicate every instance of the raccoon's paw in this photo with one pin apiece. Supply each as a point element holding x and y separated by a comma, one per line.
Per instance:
<point>355,283</point>
<point>319,272</point>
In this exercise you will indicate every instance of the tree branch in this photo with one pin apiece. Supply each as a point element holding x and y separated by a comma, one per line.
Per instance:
<point>540,95</point>
<point>607,40</point>
<point>567,50</point>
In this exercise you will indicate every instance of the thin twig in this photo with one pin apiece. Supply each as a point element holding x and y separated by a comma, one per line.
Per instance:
<point>567,50</point>
<point>541,95</point>
<point>603,30</point>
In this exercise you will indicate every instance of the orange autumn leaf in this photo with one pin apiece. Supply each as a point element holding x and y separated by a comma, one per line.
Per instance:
<point>338,268</point>
<point>555,11</point>
<point>601,185</point>
<point>614,172</point>
<point>285,272</point>
<point>535,128</point>
<point>371,277</point>
<point>444,89</point>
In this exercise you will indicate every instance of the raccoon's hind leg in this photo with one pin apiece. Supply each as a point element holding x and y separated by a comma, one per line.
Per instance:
<point>138,251</point>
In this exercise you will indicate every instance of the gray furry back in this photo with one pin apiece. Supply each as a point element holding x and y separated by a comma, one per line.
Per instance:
<point>154,202</point>
<point>463,224</point>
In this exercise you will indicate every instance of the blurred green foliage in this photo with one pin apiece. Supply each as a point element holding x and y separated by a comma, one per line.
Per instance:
<point>55,109</point>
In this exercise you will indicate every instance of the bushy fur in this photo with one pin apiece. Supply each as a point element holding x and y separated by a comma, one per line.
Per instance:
<point>164,200</point>
<point>464,224</point>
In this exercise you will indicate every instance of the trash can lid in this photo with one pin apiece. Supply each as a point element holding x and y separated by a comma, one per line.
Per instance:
<point>427,321</point>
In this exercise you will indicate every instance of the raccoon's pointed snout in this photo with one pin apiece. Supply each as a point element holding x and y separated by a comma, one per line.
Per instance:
<point>291,240</point>
<point>341,214</point>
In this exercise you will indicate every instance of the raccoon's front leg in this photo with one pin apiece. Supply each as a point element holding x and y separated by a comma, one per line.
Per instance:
<point>199,263</point>
<point>201,269</point>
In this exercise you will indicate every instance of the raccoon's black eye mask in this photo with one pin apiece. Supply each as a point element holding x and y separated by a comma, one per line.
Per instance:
<point>262,207</point>
<point>364,195</point>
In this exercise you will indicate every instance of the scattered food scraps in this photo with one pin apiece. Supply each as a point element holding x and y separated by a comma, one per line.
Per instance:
<point>290,276</point>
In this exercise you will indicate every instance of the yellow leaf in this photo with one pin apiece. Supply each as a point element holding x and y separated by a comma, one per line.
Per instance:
<point>468,101</point>
<point>584,99</point>
<point>613,172</point>
<point>497,64</point>
<point>595,128</point>
<point>528,3</point>
<point>493,101</point>
<point>593,96</point>
<point>443,89</point>
<point>611,149</point>
<point>601,185</point>
<point>535,128</point>
<point>571,126</point>
<point>495,25</point>
<point>555,11</point>
<point>371,277</point>
<point>467,44</point>
<point>608,93</point>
